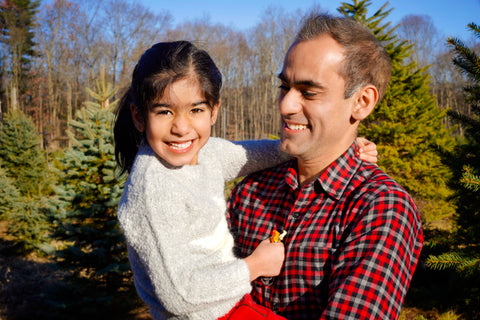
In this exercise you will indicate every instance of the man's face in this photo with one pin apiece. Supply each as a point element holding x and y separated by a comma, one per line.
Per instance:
<point>317,124</point>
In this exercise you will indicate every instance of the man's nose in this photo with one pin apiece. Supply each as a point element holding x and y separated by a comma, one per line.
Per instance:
<point>289,103</point>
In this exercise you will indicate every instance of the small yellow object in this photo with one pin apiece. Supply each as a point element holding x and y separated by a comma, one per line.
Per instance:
<point>277,236</point>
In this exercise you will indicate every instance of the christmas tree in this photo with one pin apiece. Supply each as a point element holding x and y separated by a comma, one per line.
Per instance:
<point>25,177</point>
<point>407,125</point>
<point>85,205</point>
<point>464,254</point>
<point>21,156</point>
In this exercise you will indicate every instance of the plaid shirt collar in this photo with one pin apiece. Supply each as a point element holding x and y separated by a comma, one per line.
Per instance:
<point>335,179</point>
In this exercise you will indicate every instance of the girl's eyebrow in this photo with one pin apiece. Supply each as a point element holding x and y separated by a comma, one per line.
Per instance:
<point>156,105</point>
<point>164,104</point>
<point>199,103</point>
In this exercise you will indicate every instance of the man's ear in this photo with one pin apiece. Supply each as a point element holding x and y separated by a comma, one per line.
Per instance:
<point>365,100</point>
<point>138,118</point>
<point>214,116</point>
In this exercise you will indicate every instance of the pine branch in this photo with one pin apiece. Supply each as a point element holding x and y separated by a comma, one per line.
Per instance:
<point>470,180</point>
<point>444,261</point>
<point>462,264</point>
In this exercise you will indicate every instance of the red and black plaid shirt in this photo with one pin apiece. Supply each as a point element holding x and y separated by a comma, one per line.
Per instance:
<point>354,237</point>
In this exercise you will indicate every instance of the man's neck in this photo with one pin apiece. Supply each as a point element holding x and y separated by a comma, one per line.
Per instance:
<point>311,169</point>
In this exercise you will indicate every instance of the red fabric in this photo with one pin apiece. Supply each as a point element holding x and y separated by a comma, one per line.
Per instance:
<point>353,242</point>
<point>247,309</point>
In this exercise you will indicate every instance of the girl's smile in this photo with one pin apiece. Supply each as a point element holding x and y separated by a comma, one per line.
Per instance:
<point>180,147</point>
<point>179,124</point>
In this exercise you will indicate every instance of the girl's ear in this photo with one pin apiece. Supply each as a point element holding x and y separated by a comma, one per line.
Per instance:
<point>137,116</point>
<point>214,116</point>
<point>366,99</point>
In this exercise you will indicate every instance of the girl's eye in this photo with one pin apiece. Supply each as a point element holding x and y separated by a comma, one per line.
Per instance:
<point>283,88</point>
<point>196,110</point>
<point>163,112</point>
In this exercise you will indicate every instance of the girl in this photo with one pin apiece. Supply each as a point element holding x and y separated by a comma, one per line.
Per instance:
<point>172,211</point>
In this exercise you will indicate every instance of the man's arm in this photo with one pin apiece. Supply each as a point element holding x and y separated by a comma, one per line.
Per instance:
<point>376,261</point>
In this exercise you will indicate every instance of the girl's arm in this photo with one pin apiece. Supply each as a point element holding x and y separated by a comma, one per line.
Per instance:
<point>240,158</point>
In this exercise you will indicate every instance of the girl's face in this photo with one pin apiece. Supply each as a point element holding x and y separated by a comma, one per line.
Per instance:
<point>178,124</point>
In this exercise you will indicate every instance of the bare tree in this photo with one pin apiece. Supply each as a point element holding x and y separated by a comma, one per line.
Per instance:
<point>56,35</point>
<point>130,29</point>
<point>421,33</point>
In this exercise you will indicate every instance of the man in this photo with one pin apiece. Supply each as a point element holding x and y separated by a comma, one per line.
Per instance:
<point>353,234</point>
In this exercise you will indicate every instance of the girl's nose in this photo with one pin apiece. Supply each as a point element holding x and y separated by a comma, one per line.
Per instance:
<point>180,126</point>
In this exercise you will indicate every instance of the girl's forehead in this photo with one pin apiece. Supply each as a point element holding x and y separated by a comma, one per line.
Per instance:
<point>184,90</point>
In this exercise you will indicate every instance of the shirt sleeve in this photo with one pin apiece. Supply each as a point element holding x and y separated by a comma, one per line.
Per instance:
<point>376,260</point>
<point>240,158</point>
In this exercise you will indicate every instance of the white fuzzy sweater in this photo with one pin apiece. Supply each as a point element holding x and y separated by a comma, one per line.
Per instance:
<point>179,245</point>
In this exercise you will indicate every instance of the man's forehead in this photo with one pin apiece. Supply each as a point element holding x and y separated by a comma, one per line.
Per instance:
<point>307,60</point>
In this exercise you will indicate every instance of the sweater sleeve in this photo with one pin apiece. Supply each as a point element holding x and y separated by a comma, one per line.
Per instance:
<point>240,158</point>
<point>185,250</point>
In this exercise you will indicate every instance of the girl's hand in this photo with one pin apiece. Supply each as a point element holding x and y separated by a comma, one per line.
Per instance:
<point>367,150</point>
<point>266,260</point>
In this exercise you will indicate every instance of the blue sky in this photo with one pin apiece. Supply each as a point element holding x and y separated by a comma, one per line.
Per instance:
<point>449,16</point>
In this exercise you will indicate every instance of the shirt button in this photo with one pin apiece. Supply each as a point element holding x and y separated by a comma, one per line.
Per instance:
<point>268,281</point>
<point>295,215</point>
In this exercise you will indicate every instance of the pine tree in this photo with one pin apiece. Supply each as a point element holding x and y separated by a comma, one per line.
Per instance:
<point>9,197</point>
<point>86,203</point>
<point>21,156</point>
<point>25,179</point>
<point>407,125</point>
<point>464,254</point>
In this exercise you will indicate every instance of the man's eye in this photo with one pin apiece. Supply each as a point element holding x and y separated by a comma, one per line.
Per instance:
<point>283,87</point>
<point>307,94</point>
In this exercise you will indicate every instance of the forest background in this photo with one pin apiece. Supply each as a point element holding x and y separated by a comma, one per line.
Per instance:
<point>65,64</point>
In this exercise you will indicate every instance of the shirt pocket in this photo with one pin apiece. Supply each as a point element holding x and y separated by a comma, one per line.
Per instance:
<point>311,266</point>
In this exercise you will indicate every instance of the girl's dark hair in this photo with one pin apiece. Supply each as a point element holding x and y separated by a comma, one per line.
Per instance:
<point>162,64</point>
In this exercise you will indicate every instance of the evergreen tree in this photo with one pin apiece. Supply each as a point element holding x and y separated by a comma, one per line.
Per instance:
<point>24,180</point>
<point>9,197</point>
<point>407,125</point>
<point>86,204</point>
<point>21,156</point>
<point>464,254</point>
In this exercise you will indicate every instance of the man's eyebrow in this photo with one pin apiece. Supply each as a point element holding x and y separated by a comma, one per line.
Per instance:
<point>306,83</point>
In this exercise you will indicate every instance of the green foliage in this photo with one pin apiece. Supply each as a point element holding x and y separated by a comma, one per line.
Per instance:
<point>29,224</point>
<point>24,178</point>
<point>21,156</point>
<point>9,197</point>
<point>85,204</point>
<point>466,157</point>
<point>463,254</point>
<point>469,180</point>
<point>462,263</point>
<point>407,125</point>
